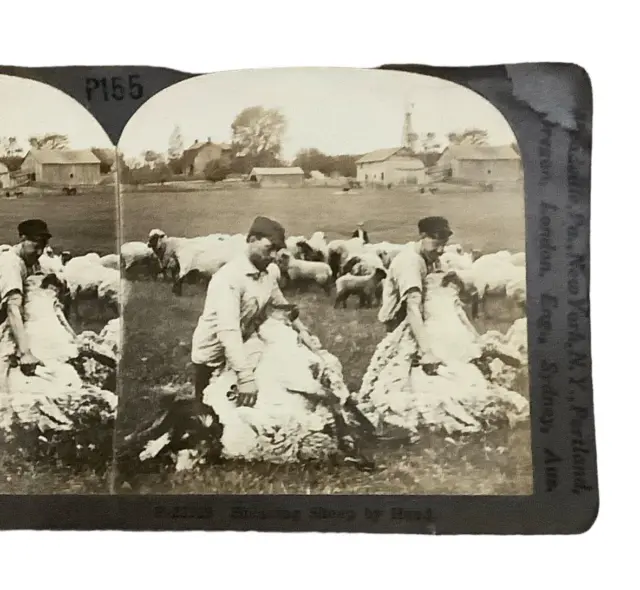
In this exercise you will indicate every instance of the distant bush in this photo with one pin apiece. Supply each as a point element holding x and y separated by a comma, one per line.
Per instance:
<point>217,171</point>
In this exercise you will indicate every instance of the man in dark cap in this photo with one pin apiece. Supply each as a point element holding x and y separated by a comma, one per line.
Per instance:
<point>238,297</point>
<point>15,266</point>
<point>405,287</point>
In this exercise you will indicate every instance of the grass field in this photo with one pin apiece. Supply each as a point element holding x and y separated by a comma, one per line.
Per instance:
<point>81,224</point>
<point>159,326</point>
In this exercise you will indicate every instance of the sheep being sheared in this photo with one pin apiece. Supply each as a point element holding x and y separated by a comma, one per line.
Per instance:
<point>303,412</point>
<point>65,411</point>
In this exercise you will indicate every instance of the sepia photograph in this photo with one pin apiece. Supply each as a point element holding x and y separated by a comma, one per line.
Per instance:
<point>325,283</point>
<point>59,293</point>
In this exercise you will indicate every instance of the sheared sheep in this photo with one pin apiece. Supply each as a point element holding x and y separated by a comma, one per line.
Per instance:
<point>368,288</point>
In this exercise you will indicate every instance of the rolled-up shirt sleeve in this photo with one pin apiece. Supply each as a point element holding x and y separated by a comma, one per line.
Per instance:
<point>10,277</point>
<point>409,277</point>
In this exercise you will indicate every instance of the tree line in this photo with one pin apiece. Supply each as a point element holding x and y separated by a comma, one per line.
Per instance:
<point>256,140</point>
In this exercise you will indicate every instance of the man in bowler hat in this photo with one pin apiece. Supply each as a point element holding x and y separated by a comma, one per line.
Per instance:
<point>15,266</point>
<point>237,300</point>
<point>405,286</point>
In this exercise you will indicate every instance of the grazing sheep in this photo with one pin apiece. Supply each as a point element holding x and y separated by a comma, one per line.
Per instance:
<point>319,245</point>
<point>339,251</point>
<point>139,260</point>
<point>87,279</point>
<point>111,261</point>
<point>368,288</point>
<point>305,271</point>
<point>362,264</point>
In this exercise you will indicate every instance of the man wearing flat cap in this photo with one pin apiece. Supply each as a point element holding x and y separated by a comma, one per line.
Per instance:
<point>15,266</point>
<point>405,287</point>
<point>238,297</point>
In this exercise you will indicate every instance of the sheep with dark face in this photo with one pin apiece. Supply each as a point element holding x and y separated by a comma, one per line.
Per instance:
<point>368,288</point>
<point>298,271</point>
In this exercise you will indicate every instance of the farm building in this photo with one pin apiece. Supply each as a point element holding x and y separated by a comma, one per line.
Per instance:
<point>277,177</point>
<point>62,167</point>
<point>481,163</point>
<point>196,158</point>
<point>391,166</point>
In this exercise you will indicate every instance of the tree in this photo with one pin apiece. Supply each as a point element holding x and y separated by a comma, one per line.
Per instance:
<point>217,170</point>
<point>345,165</point>
<point>151,158</point>
<point>429,143</point>
<point>176,144</point>
<point>256,135</point>
<point>49,141</point>
<point>313,159</point>
<point>10,148</point>
<point>473,136</point>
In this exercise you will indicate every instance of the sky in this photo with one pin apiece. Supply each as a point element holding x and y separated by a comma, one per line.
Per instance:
<point>32,108</point>
<point>336,110</point>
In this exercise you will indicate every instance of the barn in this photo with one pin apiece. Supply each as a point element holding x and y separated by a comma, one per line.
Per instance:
<point>62,167</point>
<point>198,156</point>
<point>391,166</point>
<point>277,177</point>
<point>481,163</point>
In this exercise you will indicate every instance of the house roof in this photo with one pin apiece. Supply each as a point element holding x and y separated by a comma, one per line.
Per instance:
<point>276,171</point>
<point>3,169</point>
<point>189,155</point>
<point>64,156</point>
<point>483,152</point>
<point>378,155</point>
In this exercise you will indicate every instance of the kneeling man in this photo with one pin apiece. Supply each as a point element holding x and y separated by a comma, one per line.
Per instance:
<point>238,298</point>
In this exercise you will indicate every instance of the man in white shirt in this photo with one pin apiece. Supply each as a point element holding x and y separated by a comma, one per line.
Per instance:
<point>16,265</point>
<point>238,298</point>
<point>405,287</point>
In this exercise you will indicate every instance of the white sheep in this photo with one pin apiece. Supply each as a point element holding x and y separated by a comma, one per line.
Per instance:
<point>87,279</point>
<point>49,262</point>
<point>368,288</point>
<point>362,264</point>
<point>518,259</point>
<point>111,261</point>
<point>139,260</point>
<point>305,271</point>
<point>342,250</point>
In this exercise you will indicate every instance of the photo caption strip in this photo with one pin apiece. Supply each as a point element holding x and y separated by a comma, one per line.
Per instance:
<point>555,139</point>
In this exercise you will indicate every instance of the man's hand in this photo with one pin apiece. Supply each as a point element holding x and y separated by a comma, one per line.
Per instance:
<point>247,394</point>
<point>28,364</point>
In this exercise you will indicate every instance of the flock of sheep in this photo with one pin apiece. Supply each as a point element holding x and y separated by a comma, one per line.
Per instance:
<point>346,267</point>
